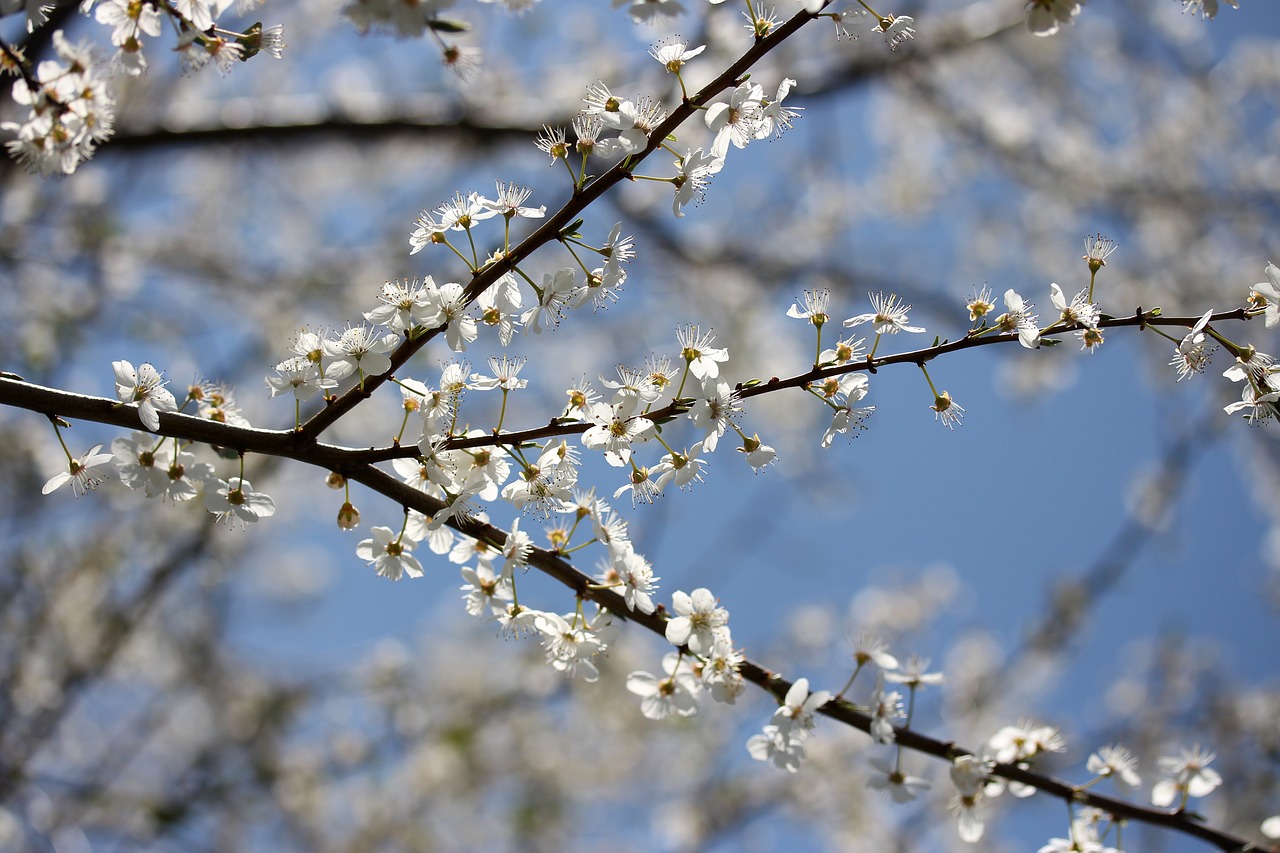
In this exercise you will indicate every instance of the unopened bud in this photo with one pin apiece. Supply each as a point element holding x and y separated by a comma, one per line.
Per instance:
<point>348,517</point>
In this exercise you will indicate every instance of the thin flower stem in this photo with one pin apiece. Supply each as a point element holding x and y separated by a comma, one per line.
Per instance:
<point>874,345</point>
<point>848,684</point>
<point>927,379</point>
<point>57,430</point>
<point>881,18</point>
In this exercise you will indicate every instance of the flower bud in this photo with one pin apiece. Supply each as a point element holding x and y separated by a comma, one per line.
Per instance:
<point>348,517</point>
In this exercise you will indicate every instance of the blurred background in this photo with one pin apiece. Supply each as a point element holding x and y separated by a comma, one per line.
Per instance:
<point>1097,547</point>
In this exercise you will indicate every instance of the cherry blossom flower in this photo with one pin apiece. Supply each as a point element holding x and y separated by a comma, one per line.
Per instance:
<point>551,141</point>
<point>814,309</point>
<point>297,376</point>
<point>1045,16</point>
<point>517,620</point>
<point>693,172</point>
<point>641,485</point>
<point>1096,248</point>
<point>463,61</point>
<point>359,350</point>
<point>896,30</point>
<point>539,488</point>
<point>617,250</point>
<point>587,129</point>
<point>187,478</point>
<point>142,462</point>
<point>697,617</point>
<point>674,695</point>
<point>506,375</point>
<point>889,316</point>
<point>129,22</point>
<point>979,304</point>
<point>914,674</point>
<point>236,500</point>
<point>570,647</point>
<point>775,746</point>
<point>1265,295</point>
<point>484,593</point>
<point>720,671</point>
<point>1083,838</point>
<point>674,54</point>
<point>1185,775</point>
<point>390,554</point>
<point>891,780</point>
<point>873,648</point>
<point>604,106</point>
<point>1018,318</point>
<point>1251,366</point>
<point>774,117</point>
<point>613,430</point>
<point>682,469</point>
<point>1117,764</point>
<point>794,716</point>
<point>556,295</point>
<point>84,474</point>
<point>845,20</point>
<point>659,373</point>
<point>500,305</point>
<point>144,386</point>
<point>635,120</point>
<point>885,708</point>
<point>405,304</point>
<point>714,410</point>
<point>461,212</point>
<point>510,201</point>
<point>758,454</point>
<point>1193,352</point>
<point>405,20</point>
<point>848,419</point>
<point>1024,741</point>
<point>1079,310</point>
<point>448,308</point>
<point>971,815</point>
<point>627,569</point>
<point>946,410</point>
<point>695,348</point>
<point>844,352</point>
<point>971,774</point>
<point>634,388</point>
<point>736,121</point>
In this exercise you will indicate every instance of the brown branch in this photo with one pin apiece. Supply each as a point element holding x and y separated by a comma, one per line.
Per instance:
<point>554,428</point>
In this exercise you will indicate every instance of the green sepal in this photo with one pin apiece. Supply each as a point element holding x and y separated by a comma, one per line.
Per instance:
<point>251,41</point>
<point>445,25</point>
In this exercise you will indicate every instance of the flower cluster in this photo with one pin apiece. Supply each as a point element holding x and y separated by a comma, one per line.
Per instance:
<point>1257,372</point>
<point>162,467</point>
<point>70,111</point>
<point>706,660</point>
<point>69,98</point>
